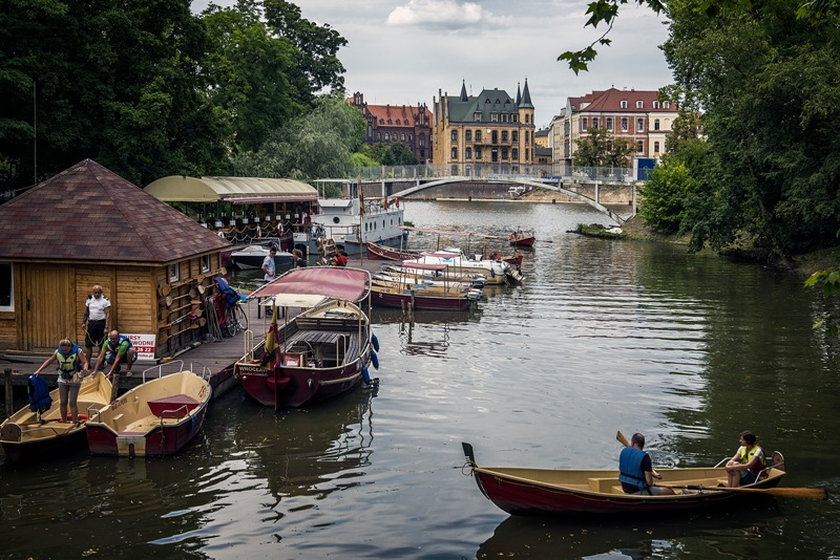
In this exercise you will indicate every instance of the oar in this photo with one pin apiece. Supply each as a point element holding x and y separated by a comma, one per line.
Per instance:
<point>811,493</point>
<point>197,325</point>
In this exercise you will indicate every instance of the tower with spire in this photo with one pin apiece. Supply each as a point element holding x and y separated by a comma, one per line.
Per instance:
<point>490,129</point>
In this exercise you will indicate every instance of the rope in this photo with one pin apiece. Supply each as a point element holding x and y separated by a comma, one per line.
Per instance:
<point>214,331</point>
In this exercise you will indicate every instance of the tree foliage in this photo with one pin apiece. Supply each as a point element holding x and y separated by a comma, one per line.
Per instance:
<point>601,149</point>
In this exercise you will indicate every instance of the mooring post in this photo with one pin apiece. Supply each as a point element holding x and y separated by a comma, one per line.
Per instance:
<point>10,408</point>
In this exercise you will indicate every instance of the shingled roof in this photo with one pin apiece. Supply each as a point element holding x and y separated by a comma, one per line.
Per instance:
<point>89,213</point>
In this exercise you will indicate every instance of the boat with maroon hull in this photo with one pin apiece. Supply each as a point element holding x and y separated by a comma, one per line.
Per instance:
<point>318,354</point>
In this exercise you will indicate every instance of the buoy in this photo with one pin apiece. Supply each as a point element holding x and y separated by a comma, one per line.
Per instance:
<point>375,342</point>
<point>366,375</point>
<point>374,359</point>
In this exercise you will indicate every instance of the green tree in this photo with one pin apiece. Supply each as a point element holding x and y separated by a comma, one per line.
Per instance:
<point>600,149</point>
<point>664,196</point>
<point>398,154</point>
<point>317,145</point>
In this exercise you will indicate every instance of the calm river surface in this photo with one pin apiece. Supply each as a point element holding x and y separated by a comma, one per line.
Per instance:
<point>603,336</point>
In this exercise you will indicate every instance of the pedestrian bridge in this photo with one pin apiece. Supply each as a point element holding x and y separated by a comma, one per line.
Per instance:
<point>548,177</point>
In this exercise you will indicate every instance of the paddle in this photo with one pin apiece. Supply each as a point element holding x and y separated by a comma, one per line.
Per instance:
<point>812,493</point>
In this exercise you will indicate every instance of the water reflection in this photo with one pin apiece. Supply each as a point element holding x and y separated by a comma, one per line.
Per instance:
<point>425,333</point>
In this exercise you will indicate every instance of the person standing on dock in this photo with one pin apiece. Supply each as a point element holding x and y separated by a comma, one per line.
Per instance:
<point>116,350</point>
<point>72,366</point>
<point>269,266</point>
<point>97,319</point>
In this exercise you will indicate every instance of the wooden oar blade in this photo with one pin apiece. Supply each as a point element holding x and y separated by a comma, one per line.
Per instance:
<point>809,493</point>
<point>623,440</point>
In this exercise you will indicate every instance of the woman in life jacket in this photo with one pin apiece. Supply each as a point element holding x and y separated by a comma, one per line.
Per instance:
<point>72,366</point>
<point>747,463</point>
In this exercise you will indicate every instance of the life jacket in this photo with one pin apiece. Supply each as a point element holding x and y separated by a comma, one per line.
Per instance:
<point>630,467</point>
<point>747,456</point>
<point>39,394</point>
<point>69,363</point>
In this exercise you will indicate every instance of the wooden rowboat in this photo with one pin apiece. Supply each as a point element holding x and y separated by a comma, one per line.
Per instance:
<point>528,491</point>
<point>27,435</point>
<point>382,252</point>
<point>522,239</point>
<point>158,417</point>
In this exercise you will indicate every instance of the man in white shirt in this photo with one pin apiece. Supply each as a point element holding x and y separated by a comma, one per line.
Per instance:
<point>97,319</point>
<point>269,266</point>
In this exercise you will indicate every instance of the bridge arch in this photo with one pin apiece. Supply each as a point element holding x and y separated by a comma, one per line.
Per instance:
<point>513,181</point>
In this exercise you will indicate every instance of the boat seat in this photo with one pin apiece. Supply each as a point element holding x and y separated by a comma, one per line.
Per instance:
<point>117,420</point>
<point>174,406</point>
<point>603,484</point>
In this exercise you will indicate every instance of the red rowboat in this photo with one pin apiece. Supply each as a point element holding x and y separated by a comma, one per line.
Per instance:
<point>522,239</point>
<point>158,417</point>
<point>527,491</point>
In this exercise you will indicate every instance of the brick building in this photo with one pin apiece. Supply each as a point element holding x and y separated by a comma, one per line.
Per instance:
<point>387,124</point>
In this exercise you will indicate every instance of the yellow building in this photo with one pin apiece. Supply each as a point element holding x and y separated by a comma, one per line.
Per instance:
<point>489,132</point>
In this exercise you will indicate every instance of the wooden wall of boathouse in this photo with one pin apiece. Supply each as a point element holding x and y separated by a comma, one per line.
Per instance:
<point>49,301</point>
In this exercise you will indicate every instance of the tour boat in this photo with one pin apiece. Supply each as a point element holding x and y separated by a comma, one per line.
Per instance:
<point>531,491</point>
<point>28,433</point>
<point>158,417</point>
<point>319,353</point>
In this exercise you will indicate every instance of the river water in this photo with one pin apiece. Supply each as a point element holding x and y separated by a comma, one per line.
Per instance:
<point>602,336</point>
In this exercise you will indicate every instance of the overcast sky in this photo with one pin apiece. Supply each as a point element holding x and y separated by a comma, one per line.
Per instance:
<point>403,51</point>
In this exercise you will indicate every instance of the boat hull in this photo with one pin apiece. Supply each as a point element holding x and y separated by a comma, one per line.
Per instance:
<point>522,497</point>
<point>523,242</point>
<point>151,420</point>
<point>391,298</point>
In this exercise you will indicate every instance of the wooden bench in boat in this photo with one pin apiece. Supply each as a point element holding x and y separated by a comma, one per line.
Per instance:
<point>611,485</point>
<point>173,406</point>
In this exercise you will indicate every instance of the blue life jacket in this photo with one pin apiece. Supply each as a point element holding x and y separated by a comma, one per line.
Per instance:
<point>630,467</point>
<point>39,394</point>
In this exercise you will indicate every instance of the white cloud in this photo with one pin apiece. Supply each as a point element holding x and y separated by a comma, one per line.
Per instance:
<point>449,14</point>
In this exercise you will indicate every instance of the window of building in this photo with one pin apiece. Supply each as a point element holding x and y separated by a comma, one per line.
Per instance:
<point>494,117</point>
<point>468,135</point>
<point>504,136</point>
<point>655,124</point>
<point>478,136</point>
<point>478,153</point>
<point>378,136</point>
<point>640,104</point>
<point>477,116</point>
<point>640,147</point>
<point>656,147</point>
<point>656,104</point>
<point>623,103</point>
<point>504,153</point>
<point>666,104</point>
<point>625,124</point>
<point>454,154</point>
<point>422,139</point>
<point>454,135</point>
<point>640,124</point>
<point>454,170</point>
<point>402,137</point>
<point>609,123</point>
<point>515,118</point>
<point>594,122</point>
<point>468,153</point>
<point>527,154</point>
<point>381,121</point>
<point>205,263</point>
<point>514,135</point>
<point>514,153</point>
<point>387,136</point>
<point>174,271</point>
<point>527,136</point>
<point>7,287</point>
<point>584,123</point>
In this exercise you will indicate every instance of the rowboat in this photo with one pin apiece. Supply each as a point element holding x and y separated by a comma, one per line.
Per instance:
<point>28,434</point>
<point>377,251</point>
<point>158,417</point>
<point>530,491</point>
<point>320,353</point>
<point>496,271</point>
<point>521,239</point>
<point>433,273</point>
<point>410,292</point>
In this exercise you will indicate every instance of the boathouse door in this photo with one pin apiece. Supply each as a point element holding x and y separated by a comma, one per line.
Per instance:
<point>47,311</point>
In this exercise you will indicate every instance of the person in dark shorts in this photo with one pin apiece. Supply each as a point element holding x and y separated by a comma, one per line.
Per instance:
<point>745,466</point>
<point>97,319</point>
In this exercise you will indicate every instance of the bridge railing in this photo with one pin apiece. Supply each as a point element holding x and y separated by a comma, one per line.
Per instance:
<point>544,172</point>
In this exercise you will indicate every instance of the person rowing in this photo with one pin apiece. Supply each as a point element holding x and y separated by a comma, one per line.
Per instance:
<point>636,471</point>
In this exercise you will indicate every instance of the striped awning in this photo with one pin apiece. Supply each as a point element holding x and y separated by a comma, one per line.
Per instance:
<point>236,190</point>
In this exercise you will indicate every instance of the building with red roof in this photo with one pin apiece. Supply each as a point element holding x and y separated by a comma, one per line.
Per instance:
<point>408,125</point>
<point>638,116</point>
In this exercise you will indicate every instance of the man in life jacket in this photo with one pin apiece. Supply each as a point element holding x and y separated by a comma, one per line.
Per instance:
<point>72,366</point>
<point>115,350</point>
<point>745,466</point>
<point>636,471</point>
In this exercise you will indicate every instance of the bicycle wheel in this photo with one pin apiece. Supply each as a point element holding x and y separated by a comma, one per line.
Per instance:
<point>239,318</point>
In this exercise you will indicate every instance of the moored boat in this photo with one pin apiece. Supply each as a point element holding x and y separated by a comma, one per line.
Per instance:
<point>29,434</point>
<point>531,491</point>
<point>496,271</point>
<point>401,298</point>
<point>252,256</point>
<point>382,252</point>
<point>522,239</point>
<point>318,354</point>
<point>158,417</point>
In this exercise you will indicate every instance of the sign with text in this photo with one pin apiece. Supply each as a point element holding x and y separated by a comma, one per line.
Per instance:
<point>144,344</point>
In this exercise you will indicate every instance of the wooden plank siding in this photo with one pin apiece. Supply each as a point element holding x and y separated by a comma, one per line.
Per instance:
<point>49,302</point>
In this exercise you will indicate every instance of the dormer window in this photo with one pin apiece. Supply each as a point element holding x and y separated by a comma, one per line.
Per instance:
<point>656,104</point>
<point>640,104</point>
<point>477,116</point>
<point>666,104</point>
<point>623,103</point>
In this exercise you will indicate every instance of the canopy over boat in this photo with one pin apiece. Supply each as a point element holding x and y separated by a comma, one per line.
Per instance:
<point>237,190</point>
<point>350,284</point>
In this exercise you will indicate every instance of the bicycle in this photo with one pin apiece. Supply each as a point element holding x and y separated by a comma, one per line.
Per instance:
<point>235,320</point>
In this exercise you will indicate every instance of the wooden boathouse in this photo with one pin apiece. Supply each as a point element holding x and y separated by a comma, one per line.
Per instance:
<point>89,226</point>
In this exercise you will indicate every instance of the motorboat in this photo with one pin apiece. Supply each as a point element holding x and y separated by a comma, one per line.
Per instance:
<point>252,257</point>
